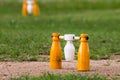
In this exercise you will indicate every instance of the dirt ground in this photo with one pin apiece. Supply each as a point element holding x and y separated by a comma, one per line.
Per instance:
<point>108,68</point>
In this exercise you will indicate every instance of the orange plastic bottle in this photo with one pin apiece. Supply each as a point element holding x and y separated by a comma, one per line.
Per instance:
<point>83,54</point>
<point>24,8</point>
<point>55,52</point>
<point>36,11</point>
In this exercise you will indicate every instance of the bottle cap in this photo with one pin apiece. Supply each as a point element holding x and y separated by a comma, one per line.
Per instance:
<point>84,35</point>
<point>55,34</point>
<point>69,36</point>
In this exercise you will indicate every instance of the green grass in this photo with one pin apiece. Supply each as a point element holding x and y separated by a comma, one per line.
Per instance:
<point>61,77</point>
<point>25,38</point>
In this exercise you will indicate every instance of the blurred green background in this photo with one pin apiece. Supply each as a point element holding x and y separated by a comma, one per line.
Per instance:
<point>26,38</point>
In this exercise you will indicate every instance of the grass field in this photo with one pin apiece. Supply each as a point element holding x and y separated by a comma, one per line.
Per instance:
<point>61,77</point>
<point>25,38</point>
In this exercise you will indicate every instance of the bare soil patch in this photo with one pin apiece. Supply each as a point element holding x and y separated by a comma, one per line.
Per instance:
<point>107,68</point>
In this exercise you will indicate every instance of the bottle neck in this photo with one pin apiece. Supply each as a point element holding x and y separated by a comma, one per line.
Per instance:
<point>69,42</point>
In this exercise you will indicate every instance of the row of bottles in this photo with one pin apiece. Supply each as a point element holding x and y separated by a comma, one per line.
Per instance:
<point>69,50</point>
<point>30,7</point>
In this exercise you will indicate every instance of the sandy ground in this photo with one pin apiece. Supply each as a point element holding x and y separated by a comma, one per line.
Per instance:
<point>108,68</point>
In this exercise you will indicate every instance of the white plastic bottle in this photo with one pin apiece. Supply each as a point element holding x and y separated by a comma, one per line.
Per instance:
<point>69,49</point>
<point>29,6</point>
